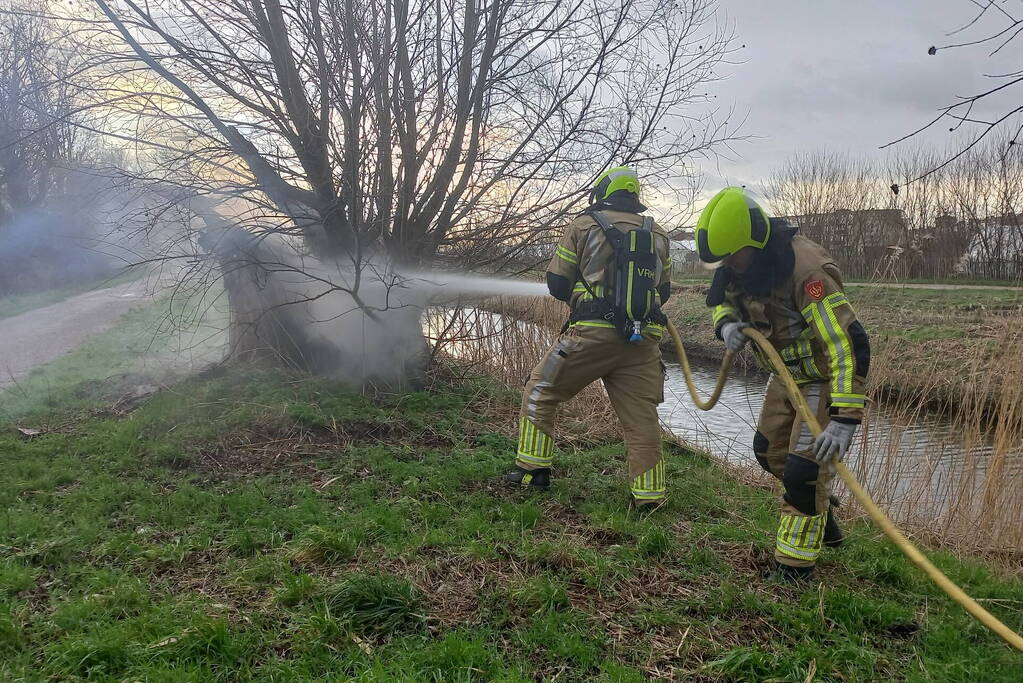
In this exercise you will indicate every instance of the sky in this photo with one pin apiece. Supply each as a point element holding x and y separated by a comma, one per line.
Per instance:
<point>845,76</point>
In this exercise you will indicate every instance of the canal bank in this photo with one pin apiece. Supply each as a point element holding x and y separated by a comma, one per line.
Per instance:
<point>946,350</point>
<point>955,485</point>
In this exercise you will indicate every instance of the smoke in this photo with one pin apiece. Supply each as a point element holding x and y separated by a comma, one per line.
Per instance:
<point>44,248</point>
<point>363,326</point>
<point>78,235</point>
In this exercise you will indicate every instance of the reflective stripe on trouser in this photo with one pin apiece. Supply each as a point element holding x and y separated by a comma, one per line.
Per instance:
<point>789,442</point>
<point>536,448</point>
<point>650,484</point>
<point>799,538</point>
<point>631,372</point>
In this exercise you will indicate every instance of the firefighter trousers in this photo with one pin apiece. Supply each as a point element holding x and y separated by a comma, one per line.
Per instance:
<point>783,446</point>
<point>634,378</point>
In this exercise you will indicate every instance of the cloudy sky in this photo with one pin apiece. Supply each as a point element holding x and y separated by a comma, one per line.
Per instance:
<point>844,76</point>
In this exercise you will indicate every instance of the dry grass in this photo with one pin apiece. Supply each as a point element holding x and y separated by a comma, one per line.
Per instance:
<point>505,339</point>
<point>949,359</point>
<point>967,489</point>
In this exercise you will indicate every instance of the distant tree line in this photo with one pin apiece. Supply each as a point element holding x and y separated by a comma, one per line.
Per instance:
<point>962,219</point>
<point>39,142</point>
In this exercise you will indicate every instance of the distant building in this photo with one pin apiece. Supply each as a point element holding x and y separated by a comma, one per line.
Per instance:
<point>881,243</point>
<point>994,249</point>
<point>684,234</point>
<point>865,242</point>
<point>864,232</point>
<point>682,246</point>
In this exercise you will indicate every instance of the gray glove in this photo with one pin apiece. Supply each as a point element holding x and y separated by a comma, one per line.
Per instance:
<point>733,336</point>
<point>833,441</point>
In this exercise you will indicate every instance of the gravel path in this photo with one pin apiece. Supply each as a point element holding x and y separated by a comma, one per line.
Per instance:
<point>39,336</point>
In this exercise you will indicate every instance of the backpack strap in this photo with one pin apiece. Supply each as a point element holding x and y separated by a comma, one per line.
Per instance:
<point>612,233</point>
<point>605,225</point>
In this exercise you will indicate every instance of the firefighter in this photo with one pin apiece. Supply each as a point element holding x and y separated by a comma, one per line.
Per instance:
<point>789,288</point>
<point>612,267</point>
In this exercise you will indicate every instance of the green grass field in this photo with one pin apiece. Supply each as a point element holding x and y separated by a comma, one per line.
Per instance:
<point>264,527</point>
<point>704,277</point>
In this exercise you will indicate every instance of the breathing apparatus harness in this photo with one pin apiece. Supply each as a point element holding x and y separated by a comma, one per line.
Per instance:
<point>630,300</point>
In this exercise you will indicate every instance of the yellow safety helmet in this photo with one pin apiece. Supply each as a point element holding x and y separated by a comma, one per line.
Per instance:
<point>731,220</point>
<point>612,180</point>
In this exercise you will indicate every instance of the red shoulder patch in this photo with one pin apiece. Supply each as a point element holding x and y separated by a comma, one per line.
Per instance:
<point>815,290</point>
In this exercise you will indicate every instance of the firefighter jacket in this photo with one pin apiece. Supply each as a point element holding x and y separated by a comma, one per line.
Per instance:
<point>811,324</point>
<point>585,257</point>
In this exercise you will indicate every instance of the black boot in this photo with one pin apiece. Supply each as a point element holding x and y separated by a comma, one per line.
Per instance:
<point>784,573</point>
<point>645,507</point>
<point>539,479</point>
<point>833,535</point>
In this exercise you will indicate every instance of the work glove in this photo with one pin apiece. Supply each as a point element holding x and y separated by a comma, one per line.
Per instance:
<point>733,336</point>
<point>833,442</point>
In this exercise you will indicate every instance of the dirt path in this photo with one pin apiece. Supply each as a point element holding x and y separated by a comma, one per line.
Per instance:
<point>39,336</point>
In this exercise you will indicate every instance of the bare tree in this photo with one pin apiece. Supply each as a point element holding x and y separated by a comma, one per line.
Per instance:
<point>418,128</point>
<point>36,138</point>
<point>43,223</point>
<point>833,199</point>
<point>364,137</point>
<point>993,27</point>
<point>985,190</point>
<point>958,220</point>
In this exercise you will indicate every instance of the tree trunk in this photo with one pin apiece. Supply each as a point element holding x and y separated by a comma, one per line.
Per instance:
<point>291,313</point>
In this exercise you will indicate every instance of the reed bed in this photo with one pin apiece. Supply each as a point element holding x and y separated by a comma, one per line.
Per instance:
<point>505,339</point>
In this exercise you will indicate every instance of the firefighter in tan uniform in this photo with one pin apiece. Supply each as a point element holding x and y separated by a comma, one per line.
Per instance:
<point>612,334</point>
<point>789,288</point>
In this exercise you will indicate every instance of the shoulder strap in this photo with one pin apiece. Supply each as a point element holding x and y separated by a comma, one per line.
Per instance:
<point>606,227</point>
<point>611,231</point>
<point>615,237</point>
<point>602,221</point>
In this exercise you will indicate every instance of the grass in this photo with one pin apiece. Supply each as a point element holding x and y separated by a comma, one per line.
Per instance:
<point>266,527</point>
<point>705,276</point>
<point>980,282</point>
<point>107,366</point>
<point>20,303</point>
<point>929,300</point>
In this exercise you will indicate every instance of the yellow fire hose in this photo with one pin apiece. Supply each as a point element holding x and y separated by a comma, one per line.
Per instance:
<point>879,517</point>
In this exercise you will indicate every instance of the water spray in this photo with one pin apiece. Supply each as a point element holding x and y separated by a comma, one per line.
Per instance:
<point>441,286</point>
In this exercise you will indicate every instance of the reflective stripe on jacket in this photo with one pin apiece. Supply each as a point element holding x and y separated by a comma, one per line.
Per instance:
<point>811,323</point>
